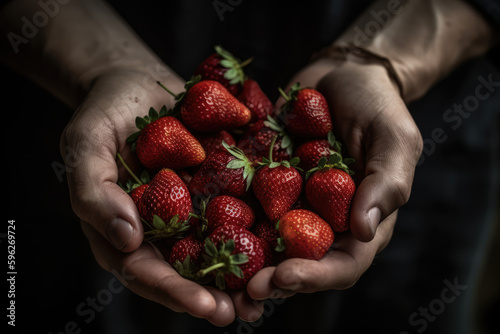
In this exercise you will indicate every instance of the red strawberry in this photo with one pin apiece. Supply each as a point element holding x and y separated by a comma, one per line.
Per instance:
<point>136,193</point>
<point>136,186</point>
<point>311,151</point>
<point>223,67</point>
<point>256,100</point>
<point>277,186</point>
<point>185,176</point>
<point>165,204</point>
<point>225,172</point>
<point>330,190</point>
<point>228,210</point>
<point>213,141</point>
<point>304,234</point>
<point>163,142</point>
<point>209,107</point>
<point>240,254</point>
<point>189,246</point>
<point>266,230</point>
<point>256,141</point>
<point>306,113</point>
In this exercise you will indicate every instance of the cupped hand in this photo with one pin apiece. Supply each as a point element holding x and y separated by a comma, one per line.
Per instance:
<point>109,217</point>
<point>374,124</point>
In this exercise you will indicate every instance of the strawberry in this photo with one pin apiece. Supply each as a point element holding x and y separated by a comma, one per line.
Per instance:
<point>166,204</point>
<point>311,151</point>
<point>306,113</point>
<point>223,67</point>
<point>277,185</point>
<point>136,186</point>
<point>256,141</point>
<point>213,141</point>
<point>206,106</point>
<point>185,176</point>
<point>189,246</point>
<point>225,172</point>
<point>228,210</point>
<point>266,230</point>
<point>330,190</point>
<point>164,142</point>
<point>256,100</point>
<point>304,234</point>
<point>185,257</point>
<point>240,254</point>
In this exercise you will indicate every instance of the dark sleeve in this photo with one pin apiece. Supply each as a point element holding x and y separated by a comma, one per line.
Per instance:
<point>489,8</point>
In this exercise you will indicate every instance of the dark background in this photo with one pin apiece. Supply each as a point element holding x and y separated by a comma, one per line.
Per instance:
<point>446,231</point>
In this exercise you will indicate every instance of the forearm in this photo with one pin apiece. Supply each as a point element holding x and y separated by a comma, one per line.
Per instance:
<point>424,40</point>
<point>78,41</point>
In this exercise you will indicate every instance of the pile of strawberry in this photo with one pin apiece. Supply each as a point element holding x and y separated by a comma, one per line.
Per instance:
<point>230,185</point>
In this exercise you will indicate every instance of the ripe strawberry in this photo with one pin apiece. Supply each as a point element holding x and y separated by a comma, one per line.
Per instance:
<point>266,230</point>
<point>185,176</point>
<point>277,185</point>
<point>256,100</point>
<point>165,205</point>
<point>225,172</point>
<point>223,67</point>
<point>228,210</point>
<point>256,141</point>
<point>163,142</point>
<point>213,141</point>
<point>330,190</point>
<point>304,234</point>
<point>306,113</point>
<point>240,255</point>
<point>136,186</point>
<point>311,151</point>
<point>189,246</point>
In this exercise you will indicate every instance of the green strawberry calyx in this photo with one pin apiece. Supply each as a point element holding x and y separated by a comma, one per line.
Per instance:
<point>136,181</point>
<point>221,261</point>
<point>268,161</point>
<point>161,230</point>
<point>286,141</point>
<point>142,122</point>
<point>179,97</point>
<point>334,160</point>
<point>280,247</point>
<point>241,161</point>
<point>202,217</point>
<point>189,270</point>
<point>290,97</point>
<point>235,73</point>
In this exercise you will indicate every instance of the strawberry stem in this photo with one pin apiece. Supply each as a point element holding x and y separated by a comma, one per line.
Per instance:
<point>168,90</point>
<point>246,62</point>
<point>128,169</point>
<point>285,96</point>
<point>272,147</point>
<point>211,268</point>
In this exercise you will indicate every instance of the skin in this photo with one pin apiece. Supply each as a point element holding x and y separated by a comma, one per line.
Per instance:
<point>95,64</point>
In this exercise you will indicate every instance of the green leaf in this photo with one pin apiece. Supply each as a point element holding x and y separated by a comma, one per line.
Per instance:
<point>140,122</point>
<point>229,245</point>
<point>249,179</point>
<point>274,164</point>
<point>231,74</point>
<point>235,164</point>
<point>281,245</point>
<point>210,248</point>
<point>322,162</point>
<point>294,161</point>
<point>133,137</point>
<point>236,270</point>
<point>220,281</point>
<point>349,161</point>
<point>153,114</point>
<point>285,163</point>
<point>239,258</point>
<point>158,223</point>
<point>227,63</point>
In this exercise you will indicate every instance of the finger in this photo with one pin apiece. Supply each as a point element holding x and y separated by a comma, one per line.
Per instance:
<point>146,273</point>
<point>246,308</point>
<point>392,152</point>
<point>262,287</point>
<point>224,313</point>
<point>95,196</point>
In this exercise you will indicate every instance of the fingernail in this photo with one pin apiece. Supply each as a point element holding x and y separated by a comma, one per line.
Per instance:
<point>119,232</point>
<point>374,219</point>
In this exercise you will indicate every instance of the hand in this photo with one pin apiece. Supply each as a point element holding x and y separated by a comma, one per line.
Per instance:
<point>372,120</point>
<point>109,218</point>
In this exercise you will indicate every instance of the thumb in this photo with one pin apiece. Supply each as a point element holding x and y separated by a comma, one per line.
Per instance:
<point>97,199</point>
<point>391,157</point>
